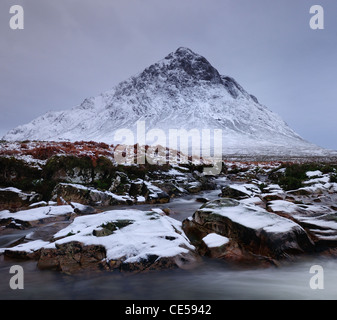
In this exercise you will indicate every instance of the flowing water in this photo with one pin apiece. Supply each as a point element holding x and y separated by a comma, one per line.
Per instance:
<point>213,280</point>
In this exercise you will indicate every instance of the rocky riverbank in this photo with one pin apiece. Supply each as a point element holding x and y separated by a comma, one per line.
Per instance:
<point>264,213</point>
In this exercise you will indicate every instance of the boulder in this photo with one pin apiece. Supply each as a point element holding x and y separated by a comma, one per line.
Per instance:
<point>28,218</point>
<point>171,187</point>
<point>230,192</point>
<point>193,186</point>
<point>71,257</point>
<point>153,194</point>
<point>121,183</point>
<point>215,245</point>
<point>319,220</point>
<point>15,199</point>
<point>272,196</point>
<point>87,195</point>
<point>81,209</point>
<point>125,240</point>
<point>252,230</point>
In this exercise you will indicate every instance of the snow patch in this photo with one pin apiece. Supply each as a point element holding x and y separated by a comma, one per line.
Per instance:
<point>214,240</point>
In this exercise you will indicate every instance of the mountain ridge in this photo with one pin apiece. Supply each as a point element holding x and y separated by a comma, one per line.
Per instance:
<point>181,91</point>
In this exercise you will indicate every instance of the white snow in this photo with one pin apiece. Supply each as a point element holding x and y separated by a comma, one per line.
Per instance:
<point>149,234</point>
<point>158,210</point>
<point>169,99</point>
<point>175,172</point>
<point>310,214</point>
<point>311,174</point>
<point>322,179</point>
<point>213,240</point>
<point>154,190</point>
<point>29,247</point>
<point>254,217</point>
<point>11,189</point>
<point>319,187</point>
<point>20,193</point>
<point>37,213</point>
<point>41,203</point>
<point>141,199</point>
<point>283,206</point>
<point>252,201</point>
<point>249,189</point>
<point>91,189</point>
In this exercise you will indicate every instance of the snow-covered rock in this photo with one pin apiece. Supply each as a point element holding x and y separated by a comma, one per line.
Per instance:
<point>15,199</point>
<point>132,240</point>
<point>253,231</point>
<point>70,192</point>
<point>30,217</point>
<point>213,240</point>
<point>318,219</point>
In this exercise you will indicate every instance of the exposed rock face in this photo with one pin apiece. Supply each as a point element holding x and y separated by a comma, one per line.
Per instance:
<point>121,183</point>
<point>29,218</point>
<point>124,240</point>
<point>229,192</point>
<point>14,199</point>
<point>72,256</point>
<point>136,191</point>
<point>252,231</point>
<point>87,196</point>
<point>319,220</point>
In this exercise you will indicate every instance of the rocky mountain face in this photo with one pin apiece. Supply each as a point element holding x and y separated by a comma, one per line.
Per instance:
<point>181,91</point>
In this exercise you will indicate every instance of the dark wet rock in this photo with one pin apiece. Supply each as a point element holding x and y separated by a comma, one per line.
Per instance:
<point>137,188</point>
<point>121,183</point>
<point>167,211</point>
<point>252,231</point>
<point>103,232</point>
<point>124,234</point>
<point>15,223</point>
<point>153,262</point>
<point>71,257</point>
<point>300,192</point>
<point>154,194</point>
<point>172,188</point>
<point>86,196</point>
<point>193,187</point>
<point>228,192</point>
<point>320,221</point>
<point>272,196</point>
<point>160,197</point>
<point>84,210</point>
<point>21,255</point>
<point>14,199</point>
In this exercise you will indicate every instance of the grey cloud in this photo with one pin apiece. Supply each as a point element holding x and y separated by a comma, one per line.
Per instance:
<point>70,50</point>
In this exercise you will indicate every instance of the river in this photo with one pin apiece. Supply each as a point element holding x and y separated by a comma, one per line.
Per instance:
<point>212,280</point>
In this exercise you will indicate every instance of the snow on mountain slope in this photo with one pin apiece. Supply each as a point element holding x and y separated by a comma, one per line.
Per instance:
<point>181,91</point>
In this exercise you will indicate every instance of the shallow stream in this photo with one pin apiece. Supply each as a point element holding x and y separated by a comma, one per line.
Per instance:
<point>211,280</point>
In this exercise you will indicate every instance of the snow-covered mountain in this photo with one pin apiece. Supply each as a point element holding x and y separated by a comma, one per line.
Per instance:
<point>183,90</point>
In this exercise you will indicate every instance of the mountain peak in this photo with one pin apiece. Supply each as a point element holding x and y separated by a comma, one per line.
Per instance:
<point>193,64</point>
<point>185,51</point>
<point>181,91</point>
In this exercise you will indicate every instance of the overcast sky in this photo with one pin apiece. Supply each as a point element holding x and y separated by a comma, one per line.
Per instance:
<point>73,49</point>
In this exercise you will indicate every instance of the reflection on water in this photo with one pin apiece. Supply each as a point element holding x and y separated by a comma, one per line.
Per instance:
<point>212,280</point>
